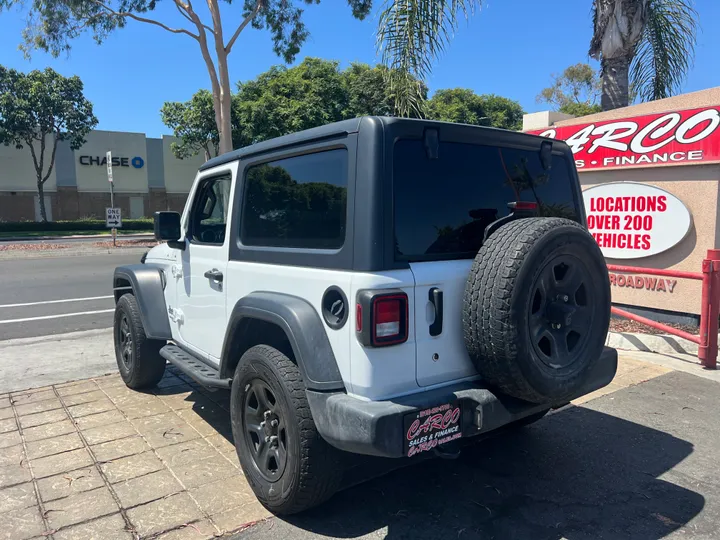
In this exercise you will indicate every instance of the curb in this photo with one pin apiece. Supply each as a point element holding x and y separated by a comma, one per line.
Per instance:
<point>69,252</point>
<point>663,343</point>
<point>31,239</point>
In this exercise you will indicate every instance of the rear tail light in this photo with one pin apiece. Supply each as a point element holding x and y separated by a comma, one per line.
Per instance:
<point>523,206</point>
<point>382,318</point>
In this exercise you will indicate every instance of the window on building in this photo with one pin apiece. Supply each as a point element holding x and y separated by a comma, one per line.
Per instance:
<point>443,205</point>
<point>298,202</point>
<point>209,216</point>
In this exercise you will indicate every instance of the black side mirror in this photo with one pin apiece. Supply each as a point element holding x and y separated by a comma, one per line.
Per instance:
<point>167,227</point>
<point>546,155</point>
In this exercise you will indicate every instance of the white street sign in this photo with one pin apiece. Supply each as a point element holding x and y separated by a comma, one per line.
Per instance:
<point>113,219</point>
<point>108,157</point>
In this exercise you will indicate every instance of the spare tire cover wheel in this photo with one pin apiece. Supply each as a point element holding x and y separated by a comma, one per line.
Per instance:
<point>537,308</point>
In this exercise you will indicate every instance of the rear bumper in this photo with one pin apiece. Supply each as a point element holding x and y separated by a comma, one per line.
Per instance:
<point>376,428</point>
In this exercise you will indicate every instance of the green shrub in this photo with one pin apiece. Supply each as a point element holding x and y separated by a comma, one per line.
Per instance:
<point>145,224</point>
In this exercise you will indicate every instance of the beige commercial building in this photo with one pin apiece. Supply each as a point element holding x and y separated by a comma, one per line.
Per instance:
<point>147,177</point>
<point>649,175</point>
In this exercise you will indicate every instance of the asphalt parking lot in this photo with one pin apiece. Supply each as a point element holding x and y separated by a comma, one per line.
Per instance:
<point>640,463</point>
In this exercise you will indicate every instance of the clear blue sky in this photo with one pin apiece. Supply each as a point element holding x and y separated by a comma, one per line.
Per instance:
<point>510,48</point>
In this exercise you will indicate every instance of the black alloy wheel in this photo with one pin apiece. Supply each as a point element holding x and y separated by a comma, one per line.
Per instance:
<point>560,314</point>
<point>125,342</point>
<point>265,431</point>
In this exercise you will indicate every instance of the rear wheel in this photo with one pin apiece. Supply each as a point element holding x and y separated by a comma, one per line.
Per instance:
<point>288,464</point>
<point>138,358</point>
<point>537,308</point>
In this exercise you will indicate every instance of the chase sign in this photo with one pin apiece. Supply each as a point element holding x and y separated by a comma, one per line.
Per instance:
<point>101,161</point>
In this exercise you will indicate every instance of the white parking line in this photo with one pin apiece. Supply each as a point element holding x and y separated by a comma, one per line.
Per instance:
<point>57,301</point>
<point>28,319</point>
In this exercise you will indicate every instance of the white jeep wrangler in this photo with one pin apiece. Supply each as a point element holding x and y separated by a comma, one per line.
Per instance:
<point>377,286</point>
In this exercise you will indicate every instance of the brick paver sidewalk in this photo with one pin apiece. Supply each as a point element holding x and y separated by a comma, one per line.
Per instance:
<point>95,460</point>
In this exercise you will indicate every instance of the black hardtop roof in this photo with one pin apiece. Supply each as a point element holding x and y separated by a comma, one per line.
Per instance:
<point>327,131</point>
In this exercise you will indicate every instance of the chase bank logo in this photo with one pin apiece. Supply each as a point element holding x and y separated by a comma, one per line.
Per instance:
<point>101,161</point>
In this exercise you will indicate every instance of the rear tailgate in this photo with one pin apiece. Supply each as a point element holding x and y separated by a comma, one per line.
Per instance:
<point>443,202</point>
<point>441,354</point>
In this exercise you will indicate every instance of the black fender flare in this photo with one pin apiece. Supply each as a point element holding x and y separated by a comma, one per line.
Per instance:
<point>303,328</point>
<point>147,283</point>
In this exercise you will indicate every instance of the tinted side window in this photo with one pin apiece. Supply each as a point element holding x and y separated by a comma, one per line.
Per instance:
<point>442,206</point>
<point>208,218</point>
<point>298,202</point>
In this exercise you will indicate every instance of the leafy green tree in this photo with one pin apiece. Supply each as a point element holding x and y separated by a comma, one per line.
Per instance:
<point>648,45</point>
<point>369,92</point>
<point>284,100</point>
<point>457,105</point>
<point>43,107</point>
<point>503,112</point>
<point>464,106</point>
<point>53,24</point>
<point>575,91</point>
<point>193,123</point>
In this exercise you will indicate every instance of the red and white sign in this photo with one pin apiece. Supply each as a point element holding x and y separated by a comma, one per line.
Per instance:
<point>630,220</point>
<point>689,136</point>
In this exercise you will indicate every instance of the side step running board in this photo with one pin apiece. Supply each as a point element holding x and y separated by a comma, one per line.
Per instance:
<point>193,367</point>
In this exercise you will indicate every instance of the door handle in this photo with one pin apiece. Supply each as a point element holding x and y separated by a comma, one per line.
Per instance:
<point>215,275</point>
<point>435,296</point>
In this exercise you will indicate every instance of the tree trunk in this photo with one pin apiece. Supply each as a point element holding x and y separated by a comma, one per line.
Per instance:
<point>41,195</point>
<point>225,126</point>
<point>615,83</point>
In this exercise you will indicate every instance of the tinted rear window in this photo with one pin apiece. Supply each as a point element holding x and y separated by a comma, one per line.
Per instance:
<point>442,206</point>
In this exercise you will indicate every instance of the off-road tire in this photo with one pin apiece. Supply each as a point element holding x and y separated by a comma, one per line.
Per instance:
<point>313,469</point>
<point>146,366</point>
<point>497,304</point>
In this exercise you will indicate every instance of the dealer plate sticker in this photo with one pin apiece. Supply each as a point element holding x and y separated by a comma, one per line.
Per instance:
<point>428,428</point>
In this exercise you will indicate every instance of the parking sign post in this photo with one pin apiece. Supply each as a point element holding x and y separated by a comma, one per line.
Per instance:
<point>108,158</point>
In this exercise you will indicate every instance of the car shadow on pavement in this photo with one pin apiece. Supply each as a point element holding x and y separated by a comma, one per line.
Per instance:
<point>577,474</point>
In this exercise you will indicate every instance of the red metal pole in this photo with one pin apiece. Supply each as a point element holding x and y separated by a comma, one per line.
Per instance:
<point>657,325</point>
<point>703,349</point>
<point>655,271</point>
<point>713,256</point>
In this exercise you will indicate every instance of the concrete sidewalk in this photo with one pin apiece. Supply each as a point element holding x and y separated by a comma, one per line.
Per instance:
<point>44,360</point>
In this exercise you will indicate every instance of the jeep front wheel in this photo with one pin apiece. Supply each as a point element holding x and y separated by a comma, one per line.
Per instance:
<point>138,358</point>
<point>287,463</point>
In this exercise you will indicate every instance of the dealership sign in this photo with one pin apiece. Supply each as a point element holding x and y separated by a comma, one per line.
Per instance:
<point>630,220</point>
<point>689,136</point>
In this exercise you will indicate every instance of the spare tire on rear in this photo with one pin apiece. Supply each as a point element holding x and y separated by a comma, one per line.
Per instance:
<point>537,308</point>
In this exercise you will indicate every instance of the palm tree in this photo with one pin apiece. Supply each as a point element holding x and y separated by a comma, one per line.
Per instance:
<point>411,35</point>
<point>646,45</point>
